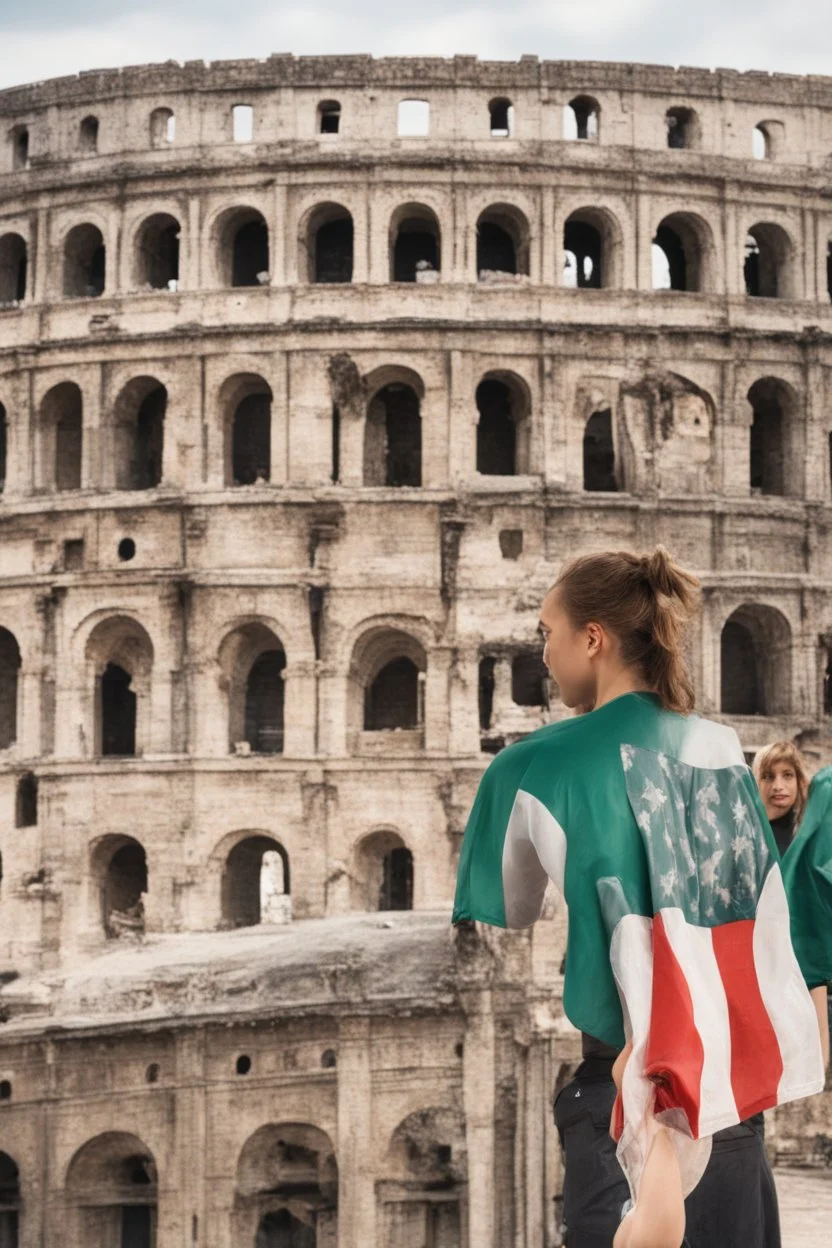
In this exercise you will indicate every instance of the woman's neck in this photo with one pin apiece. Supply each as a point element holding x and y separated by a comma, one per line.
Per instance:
<point>614,684</point>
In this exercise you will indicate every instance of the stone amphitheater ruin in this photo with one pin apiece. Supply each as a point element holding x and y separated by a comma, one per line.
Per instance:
<point>312,372</point>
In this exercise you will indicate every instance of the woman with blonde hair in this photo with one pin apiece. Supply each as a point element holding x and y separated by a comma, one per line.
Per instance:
<point>649,821</point>
<point>780,772</point>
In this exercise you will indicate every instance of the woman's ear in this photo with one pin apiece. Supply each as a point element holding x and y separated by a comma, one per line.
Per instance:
<point>594,639</point>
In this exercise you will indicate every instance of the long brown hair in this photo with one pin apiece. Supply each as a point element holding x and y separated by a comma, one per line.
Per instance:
<point>647,601</point>
<point>784,752</point>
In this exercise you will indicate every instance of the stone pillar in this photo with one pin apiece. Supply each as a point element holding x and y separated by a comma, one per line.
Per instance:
<point>356,1188</point>
<point>300,683</point>
<point>478,1074</point>
<point>549,242</point>
<point>187,1225</point>
<point>191,276</point>
<point>644,242</point>
<point>279,236</point>
<point>361,240</point>
<point>814,487</point>
<point>42,281</point>
<point>436,700</point>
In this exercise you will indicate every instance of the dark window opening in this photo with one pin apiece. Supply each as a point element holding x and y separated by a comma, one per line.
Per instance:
<point>4,447</point>
<point>9,669</point>
<point>391,700</point>
<point>496,429</point>
<point>829,270</point>
<point>251,440</point>
<point>283,1230</point>
<point>741,687</point>
<point>74,554</point>
<point>767,252</point>
<point>599,453</point>
<point>250,254</point>
<point>329,117</point>
<point>152,1073</point>
<point>118,712</point>
<point>672,246</point>
<point>767,458</point>
<point>495,249</point>
<point>136,1226</point>
<point>242,880</point>
<point>486,692</point>
<point>84,262</point>
<point>159,253</point>
<point>146,461</point>
<point>529,680</point>
<point>20,147</point>
<point>264,703</point>
<point>827,686</point>
<point>751,271</point>
<point>334,251</point>
<point>511,543</point>
<point>126,549</point>
<point>583,242</point>
<point>681,127</point>
<point>88,134</point>
<point>329,1059</point>
<point>416,249</point>
<point>26,806</point>
<point>124,884</point>
<point>500,116</point>
<point>586,114</point>
<point>403,435</point>
<point>397,880</point>
<point>243,1064</point>
<point>68,450</point>
<point>335,475</point>
<point>13,265</point>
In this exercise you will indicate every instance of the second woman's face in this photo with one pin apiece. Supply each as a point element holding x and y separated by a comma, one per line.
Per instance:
<point>778,789</point>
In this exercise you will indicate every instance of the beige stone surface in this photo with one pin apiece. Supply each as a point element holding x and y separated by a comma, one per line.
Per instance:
<point>805,1208</point>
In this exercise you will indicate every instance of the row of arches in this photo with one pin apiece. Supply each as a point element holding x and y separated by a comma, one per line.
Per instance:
<point>683,252</point>
<point>254,880</point>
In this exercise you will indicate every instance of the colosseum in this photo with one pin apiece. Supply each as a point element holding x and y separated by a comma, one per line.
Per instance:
<point>312,372</point>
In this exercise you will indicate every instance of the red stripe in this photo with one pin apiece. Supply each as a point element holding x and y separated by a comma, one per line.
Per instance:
<point>675,1054</point>
<point>756,1063</point>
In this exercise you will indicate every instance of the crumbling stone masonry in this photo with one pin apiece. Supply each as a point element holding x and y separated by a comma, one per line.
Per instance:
<point>312,372</point>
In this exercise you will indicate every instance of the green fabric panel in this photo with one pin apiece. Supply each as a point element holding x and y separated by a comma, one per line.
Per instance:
<point>807,875</point>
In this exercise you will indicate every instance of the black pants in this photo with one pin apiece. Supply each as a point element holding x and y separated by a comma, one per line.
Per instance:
<point>734,1205</point>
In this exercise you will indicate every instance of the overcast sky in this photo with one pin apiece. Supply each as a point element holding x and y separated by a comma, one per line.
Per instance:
<point>44,38</point>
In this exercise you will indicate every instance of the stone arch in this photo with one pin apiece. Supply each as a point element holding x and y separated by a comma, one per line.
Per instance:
<point>415,244</point>
<point>60,429</point>
<point>286,1169</point>
<point>769,266</point>
<point>382,872</point>
<point>246,408</point>
<point>503,424</point>
<point>683,128</point>
<point>685,241</point>
<point>162,127</point>
<point>599,452</point>
<point>386,676</point>
<point>242,246</point>
<point>118,871</point>
<point>13,268</point>
<point>503,241</point>
<point>592,244</point>
<point>252,660</point>
<point>138,434</point>
<point>156,252</point>
<point>88,135</point>
<point>112,1192</point>
<point>256,882</point>
<point>327,244</point>
<point>582,118</point>
<point>85,262</point>
<point>425,1187</point>
<point>10,663</point>
<point>755,662</point>
<point>393,428</point>
<point>775,454</point>
<point>120,654</point>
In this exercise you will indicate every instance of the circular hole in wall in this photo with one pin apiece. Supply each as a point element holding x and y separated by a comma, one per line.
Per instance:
<point>152,1073</point>
<point>126,548</point>
<point>328,1059</point>
<point>243,1064</point>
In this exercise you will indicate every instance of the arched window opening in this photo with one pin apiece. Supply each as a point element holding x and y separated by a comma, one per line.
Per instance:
<point>9,673</point>
<point>486,685</point>
<point>4,447</point>
<point>125,886</point>
<point>329,117</point>
<point>247,403</point>
<point>250,262</point>
<point>9,1202</point>
<point>84,262</point>
<point>496,428</point>
<point>391,700</point>
<point>286,1189</point>
<point>20,147</point>
<point>264,703</point>
<point>599,453</point>
<point>139,434</point>
<point>767,140</point>
<point>242,123</point>
<point>682,128</point>
<point>330,245</point>
<point>769,437</point>
<point>501,118</point>
<point>283,1230</point>
<point>767,266</point>
<point>393,437</point>
<point>162,127</point>
<point>755,654</point>
<point>157,259</point>
<point>12,268</point>
<point>118,712</point>
<point>760,144</point>
<point>414,119</point>
<point>416,245</point>
<point>256,884</point>
<point>397,880</point>
<point>680,239</point>
<point>529,679</point>
<point>26,808</point>
<point>428,1151</point>
<point>581,118</point>
<point>382,875</point>
<point>112,1193</point>
<point>61,425</point>
<point>88,135</point>
<point>582,246</point>
<point>502,243</point>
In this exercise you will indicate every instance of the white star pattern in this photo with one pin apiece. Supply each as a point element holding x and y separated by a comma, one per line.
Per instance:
<point>741,844</point>
<point>710,867</point>
<point>653,796</point>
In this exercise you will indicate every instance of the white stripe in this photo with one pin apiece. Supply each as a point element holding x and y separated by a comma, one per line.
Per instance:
<point>693,948</point>
<point>785,995</point>
<point>534,852</point>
